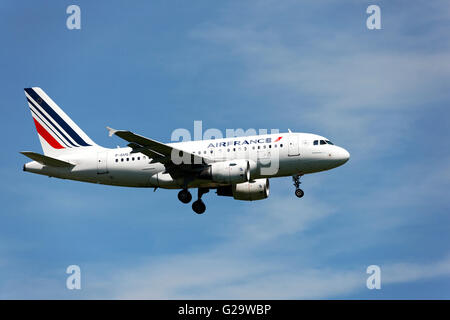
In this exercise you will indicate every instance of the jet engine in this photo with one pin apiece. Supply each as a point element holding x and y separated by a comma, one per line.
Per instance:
<point>257,189</point>
<point>230,172</point>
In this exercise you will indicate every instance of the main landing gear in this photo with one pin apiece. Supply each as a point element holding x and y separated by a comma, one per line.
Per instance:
<point>198,206</point>
<point>184,196</point>
<point>298,192</point>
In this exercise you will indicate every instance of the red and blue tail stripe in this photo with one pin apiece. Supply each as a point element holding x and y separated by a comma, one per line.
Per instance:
<point>52,124</point>
<point>47,136</point>
<point>38,115</point>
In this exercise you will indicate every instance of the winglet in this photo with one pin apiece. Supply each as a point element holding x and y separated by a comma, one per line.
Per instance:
<point>111,131</point>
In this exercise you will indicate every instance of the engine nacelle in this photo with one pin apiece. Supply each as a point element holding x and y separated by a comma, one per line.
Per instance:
<point>163,180</point>
<point>257,189</point>
<point>230,172</point>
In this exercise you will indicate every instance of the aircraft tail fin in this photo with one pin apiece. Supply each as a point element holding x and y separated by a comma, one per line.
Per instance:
<point>57,132</point>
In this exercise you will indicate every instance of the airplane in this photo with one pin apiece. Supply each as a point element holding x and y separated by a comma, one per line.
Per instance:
<point>238,167</point>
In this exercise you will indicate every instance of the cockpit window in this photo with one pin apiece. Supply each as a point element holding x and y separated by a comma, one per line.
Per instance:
<point>329,142</point>
<point>322,142</point>
<point>316,142</point>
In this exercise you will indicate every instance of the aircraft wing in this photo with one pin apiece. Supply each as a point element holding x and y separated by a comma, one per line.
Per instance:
<point>158,151</point>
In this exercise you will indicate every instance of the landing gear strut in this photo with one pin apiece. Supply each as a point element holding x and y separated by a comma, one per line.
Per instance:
<point>184,196</point>
<point>298,192</point>
<point>199,206</point>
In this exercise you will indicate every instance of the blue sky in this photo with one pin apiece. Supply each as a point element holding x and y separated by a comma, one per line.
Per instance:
<point>155,66</point>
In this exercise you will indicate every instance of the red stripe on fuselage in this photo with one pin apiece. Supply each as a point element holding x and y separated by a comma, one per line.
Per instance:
<point>44,134</point>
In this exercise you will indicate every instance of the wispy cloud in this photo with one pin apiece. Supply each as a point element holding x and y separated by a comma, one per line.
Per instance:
<point>343,80</point>
<point>307,64</point>
<point>267,253</point>
<point>234,269</point>
<point>348,82</point>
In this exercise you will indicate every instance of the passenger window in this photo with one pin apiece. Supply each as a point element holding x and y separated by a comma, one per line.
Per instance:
<point>132,159</point>
<point>121,160</point>
<point>128,159</point>
<point>117,160</point>
<point>281,145</point>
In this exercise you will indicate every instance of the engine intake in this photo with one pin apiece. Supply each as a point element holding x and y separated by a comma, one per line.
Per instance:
<point>230,172</point>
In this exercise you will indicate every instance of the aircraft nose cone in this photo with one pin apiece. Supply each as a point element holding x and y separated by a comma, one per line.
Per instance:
<point>342,155</point>
<point>346,155</point>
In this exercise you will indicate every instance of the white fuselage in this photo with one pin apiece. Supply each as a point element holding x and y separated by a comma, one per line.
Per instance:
<point>275,155</point>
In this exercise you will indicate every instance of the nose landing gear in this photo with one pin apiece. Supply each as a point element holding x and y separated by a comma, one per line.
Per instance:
<point>298,192</point>
<point>199,206</point>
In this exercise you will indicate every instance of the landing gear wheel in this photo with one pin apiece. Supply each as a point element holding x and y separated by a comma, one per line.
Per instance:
<point>299,193</point>
<point>184,196</point>
<point>198,206</point>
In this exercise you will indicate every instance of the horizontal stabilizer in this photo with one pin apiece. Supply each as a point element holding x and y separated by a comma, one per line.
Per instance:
<point>45,160</point>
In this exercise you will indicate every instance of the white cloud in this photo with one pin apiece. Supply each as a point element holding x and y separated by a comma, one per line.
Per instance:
<point>364,88</point>
<point>281,216</point>
<point>235,267</point>
<point>409,272</point>
<point>215,276</point>
<point>368,94</point>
